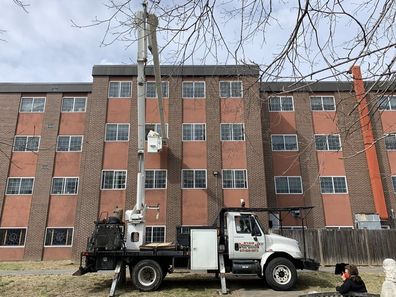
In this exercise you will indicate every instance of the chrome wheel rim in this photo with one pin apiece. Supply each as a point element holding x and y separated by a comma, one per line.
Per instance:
<point>282,274</point>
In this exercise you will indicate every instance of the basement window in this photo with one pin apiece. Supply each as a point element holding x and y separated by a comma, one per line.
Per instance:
<point>12,236</point>
<point>59,237</point>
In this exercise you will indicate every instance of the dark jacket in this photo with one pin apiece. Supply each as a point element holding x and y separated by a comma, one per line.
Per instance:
<point>352,284</point>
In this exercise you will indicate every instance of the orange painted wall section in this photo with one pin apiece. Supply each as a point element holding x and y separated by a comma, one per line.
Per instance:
<point>29,124</point>
<point>154,197</point>
<point>194,111</point>
<point>115,155</point>
<point>12,254</point>
<point>231,110</point>
<point>16,210</point>
<point>118,110</point>
<point>23,164</point>
<point>282,122</point>
<point>290,201</point>
<point>331,163</point>
<point>388,121</point>
<point>62,210</point>
<point>67,164</point>
<point>57,253</point>
<point>337,209</point>
<point>232,198</point>
<point>233,154</point>
<point>72,123</point>
<point>286,164</point>
<point>194,207</point>
<point>194,155</point>
<point>110,199</point>
<point>156,160</point>
<point>152,110</point>
<point>324,122</point>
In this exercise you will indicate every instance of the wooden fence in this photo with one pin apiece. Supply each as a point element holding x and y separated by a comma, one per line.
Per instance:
<point>360,247</point>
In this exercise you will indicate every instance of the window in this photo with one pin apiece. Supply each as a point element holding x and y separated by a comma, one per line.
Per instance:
<point>281,103</point>
<point>284,142</point>
<point>117,132</point>
<point>288,185</point>
<point>151,90</point>
<point>242,224</point>
<point>114,179</point>
<point>387,103</point>
<point>155,179</point>
<point>120,89</point>
<point>32,104</point>
<point>193,179</point>
<point>328,142</point>
<point>26,143</point>
<point>234,179</point>
<point>20,186</point>
<point>74,104</point>
<point>194,89</point>
<point>390,142</point>
<point>333,184</point>
<point>58,237</point>
<point>12,236</point>
<point>69,144</point>
<point>230,89</point>
<point>154,127</point>
<point>194,132</point>
<point>155,234</point>
<point>64,186</point>
<point>322,103</point>
<point>232,132</point>
<point>394,183</point>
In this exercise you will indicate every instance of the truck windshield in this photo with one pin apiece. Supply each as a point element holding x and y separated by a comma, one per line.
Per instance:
<point>259,224</point>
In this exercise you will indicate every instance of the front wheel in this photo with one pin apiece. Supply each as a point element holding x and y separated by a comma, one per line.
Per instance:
<point>147,275</point>
<point>280,274</point>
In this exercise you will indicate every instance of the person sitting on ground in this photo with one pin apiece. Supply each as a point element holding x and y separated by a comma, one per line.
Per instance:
<point>352,281</point>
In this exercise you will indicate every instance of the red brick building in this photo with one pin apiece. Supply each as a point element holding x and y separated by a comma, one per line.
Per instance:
<point>68,154</point>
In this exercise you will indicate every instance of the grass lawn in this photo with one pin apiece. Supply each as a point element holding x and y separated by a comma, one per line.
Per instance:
<point>177,284</point>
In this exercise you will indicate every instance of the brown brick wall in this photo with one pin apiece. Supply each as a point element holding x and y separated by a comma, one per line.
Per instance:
<point>9,107</point>
<point>214,186</point>
<point>174,198</point>
<point>358,180</point>
<point>91,164</point>
<point>308,160</point>
<point>42,182</point>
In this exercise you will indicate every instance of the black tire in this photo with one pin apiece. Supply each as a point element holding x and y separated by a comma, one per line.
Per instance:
<point>280,274</point>
<point>147,275</point>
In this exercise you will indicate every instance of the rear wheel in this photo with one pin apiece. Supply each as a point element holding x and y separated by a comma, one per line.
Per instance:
<point>147,275</point>
<point>280,274</point>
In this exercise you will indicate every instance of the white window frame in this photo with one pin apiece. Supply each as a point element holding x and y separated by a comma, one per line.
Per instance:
<point>118,124</point>
<point>194,82</point>
<point>14,246</point>
<point>164,82</point>
<point>233,178</point>
<point>34,98</point>
<point>64,186</point>
<point>119,89</point>
<point>280,98</point>
<point>232,132</point>
<point>26,150</point>
<point>230,88</point>
<point>194,188</point>
<point>193,132</point>
<point>327,143</point>
<point>332,180</point>
<point>393,135</point>
<point>166,179</point>
<point>284,144</point>
<point>56,246</point>
<point>155,226</point>
<point>321,100</point>
<point>74,104</point>
<point>21,177</point>
<point>114,189</point>
<point>70,136</point>
<point>288,184</point>
<point>387,99</point>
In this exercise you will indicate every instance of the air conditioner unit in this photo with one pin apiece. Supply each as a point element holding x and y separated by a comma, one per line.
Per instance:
<point>368,221</point>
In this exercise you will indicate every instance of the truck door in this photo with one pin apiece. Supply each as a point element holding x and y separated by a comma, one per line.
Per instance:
<point>247,238</point>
